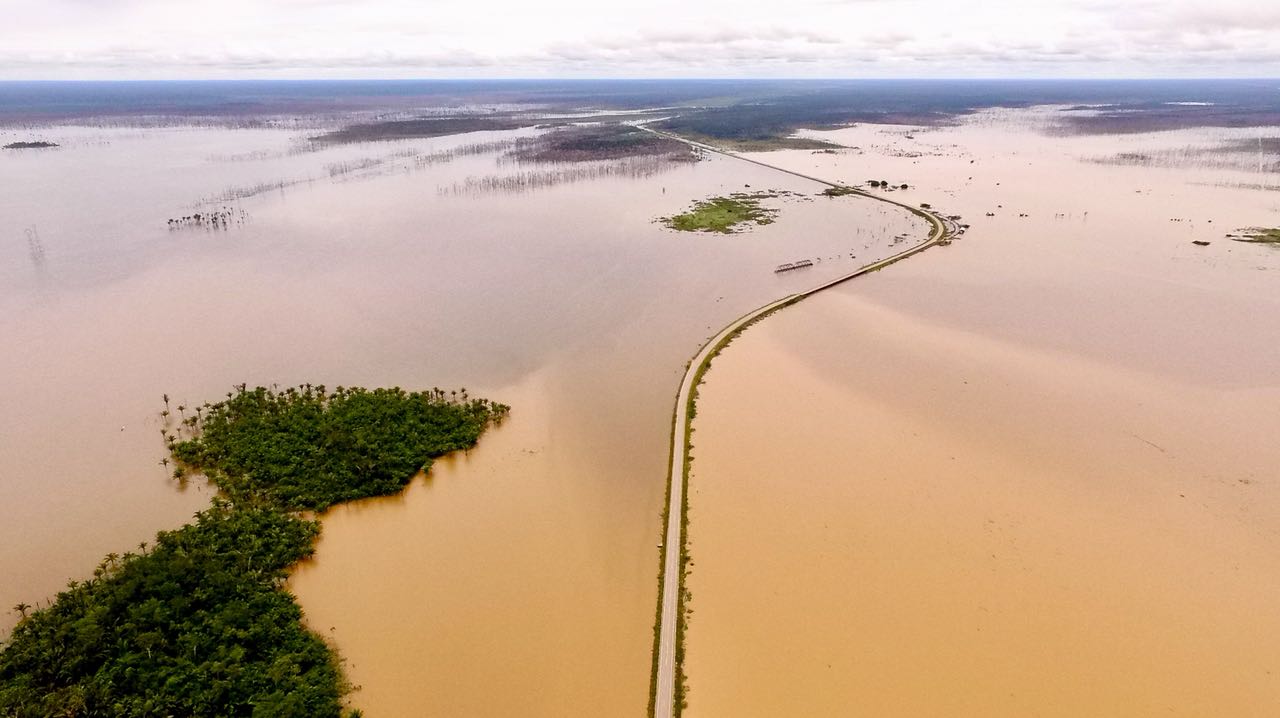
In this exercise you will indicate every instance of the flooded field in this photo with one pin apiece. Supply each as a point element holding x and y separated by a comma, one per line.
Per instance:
<point>520,578</point>
<point>1029,474</point>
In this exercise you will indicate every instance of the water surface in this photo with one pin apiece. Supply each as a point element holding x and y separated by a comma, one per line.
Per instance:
<point>522,576</point>
<point>1027,474</point>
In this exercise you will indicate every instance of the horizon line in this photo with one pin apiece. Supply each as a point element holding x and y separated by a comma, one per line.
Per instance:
<point>993,78</point>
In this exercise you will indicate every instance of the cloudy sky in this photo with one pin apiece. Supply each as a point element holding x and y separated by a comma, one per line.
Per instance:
<point>141,39</point>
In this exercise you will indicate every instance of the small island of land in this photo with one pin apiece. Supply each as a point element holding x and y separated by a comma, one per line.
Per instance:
<point>1257,235</point>
<point>38,145</point>
<point>592,143</point>
<point>200,624</point>
<point>724,215</point>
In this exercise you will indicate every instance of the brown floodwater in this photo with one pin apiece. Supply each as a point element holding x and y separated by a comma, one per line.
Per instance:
<point>518,578</point>
<point>1032,473</point>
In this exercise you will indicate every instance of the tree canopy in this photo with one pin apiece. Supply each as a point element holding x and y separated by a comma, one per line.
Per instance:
<point>305,448</point>
<point>201,625</point>
<point>196,626</point>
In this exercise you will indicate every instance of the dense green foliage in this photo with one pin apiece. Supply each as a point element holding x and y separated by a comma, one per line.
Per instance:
<point>195,627</point>
<point>201,624</point>
<point>304,448</point>
<point>722,214</point>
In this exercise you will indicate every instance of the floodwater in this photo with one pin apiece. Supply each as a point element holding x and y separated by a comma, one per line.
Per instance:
<point>1032,473</point>
<point>520,578</point>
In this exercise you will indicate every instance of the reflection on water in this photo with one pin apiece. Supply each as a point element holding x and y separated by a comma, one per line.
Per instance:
<point>35,248</point>
<point>1028,475</point>
<point>519,578</point>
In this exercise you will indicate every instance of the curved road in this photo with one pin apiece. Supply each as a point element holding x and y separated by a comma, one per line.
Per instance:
<point>668,672</point>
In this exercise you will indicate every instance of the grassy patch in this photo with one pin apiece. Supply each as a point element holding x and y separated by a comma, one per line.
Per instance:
<point>723,214</point>
<point>838,191</point>
<point>1257,235</point>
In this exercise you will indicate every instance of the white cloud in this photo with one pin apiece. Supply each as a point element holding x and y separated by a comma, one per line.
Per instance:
<point>486,38</point>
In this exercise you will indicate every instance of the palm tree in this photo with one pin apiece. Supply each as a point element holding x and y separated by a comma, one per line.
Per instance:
<point>22,609</point>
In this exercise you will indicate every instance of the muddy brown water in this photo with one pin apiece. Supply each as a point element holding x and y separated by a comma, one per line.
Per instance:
<point>519,578</point>
<point>1028,474</point>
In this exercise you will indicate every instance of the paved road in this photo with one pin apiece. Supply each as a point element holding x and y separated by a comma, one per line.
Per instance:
<point>668,672</point>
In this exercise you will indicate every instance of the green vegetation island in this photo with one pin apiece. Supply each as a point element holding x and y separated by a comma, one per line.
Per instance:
<point>724,215</point>
<point>1257,235</point>
<point>199,623</point>
<point>592,143</point>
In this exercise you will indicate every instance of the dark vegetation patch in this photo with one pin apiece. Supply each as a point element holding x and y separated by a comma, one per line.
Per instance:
<point>197,626</point>
<point>214,218</point>
<point>599,142</point>
<point>777,110</point>
<point>767,144</point>
<point>559,174</point>
<point>884,184</point>
<point>306,449</point>
<point>769,126</point>
<point>1145,117</point>
<point>1265,145</point>
<point>201,624</point>
<point>1257,235</point>
<point>839,191</point>
<point>38,145</point>
<point>421,128</point>
<point>1253,155</point>
<point>724,215</point>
